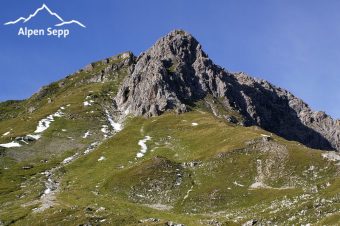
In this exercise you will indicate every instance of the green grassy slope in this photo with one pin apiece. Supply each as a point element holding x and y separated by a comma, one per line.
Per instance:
<point>194,175</point>
<point>21,181</point>
<point>198,169</point>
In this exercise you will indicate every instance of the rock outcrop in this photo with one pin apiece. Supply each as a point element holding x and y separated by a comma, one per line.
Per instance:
<point>175,73</point>
<point>109,67</point>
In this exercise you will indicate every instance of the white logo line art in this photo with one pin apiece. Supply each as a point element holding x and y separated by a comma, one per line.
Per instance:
<point>44,6</point>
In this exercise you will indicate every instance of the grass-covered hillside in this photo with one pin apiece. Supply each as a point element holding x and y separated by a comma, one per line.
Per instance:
<point>196,170</point>
<point>68,159</point>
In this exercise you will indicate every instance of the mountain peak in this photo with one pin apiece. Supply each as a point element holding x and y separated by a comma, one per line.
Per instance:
<point>175,73</point>
<point>176,44</point>
<point>179,32</point>
<point>176,34</point>
<point>164,76</point>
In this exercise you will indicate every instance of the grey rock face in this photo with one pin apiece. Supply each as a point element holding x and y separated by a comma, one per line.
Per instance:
<point>162,77</point>
<point>175,73</point>
<point>125,59</point>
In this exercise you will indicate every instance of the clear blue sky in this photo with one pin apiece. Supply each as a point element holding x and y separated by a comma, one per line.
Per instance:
<point>293,44</point>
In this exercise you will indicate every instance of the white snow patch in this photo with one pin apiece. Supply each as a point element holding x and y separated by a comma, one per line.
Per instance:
<point>7,133</point>
<point>91,148</point>
<point>258,184</point>
<point>102,158</point>
<point>139,155</point>
<point>22,140</point>
<point>237,184</point>
<point>64,130</point>
<point>68,160</point>
<point>45,123</point>
<point>10,145</point>
<point>332,156</point>
<point>47,191</point>
<point>105,130</point>
<point>58,114</point>
<point>86,103</point>
<point>116,126</point>
<point>35,137</point>
<point>194,124</point>
<point>144,148</point>
<point>87,134</point>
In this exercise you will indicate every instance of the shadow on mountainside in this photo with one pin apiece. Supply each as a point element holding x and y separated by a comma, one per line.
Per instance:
<point>273,113</point>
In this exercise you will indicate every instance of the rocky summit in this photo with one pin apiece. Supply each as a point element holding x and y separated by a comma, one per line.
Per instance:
<point>166,138</point>
<point>175,73</point>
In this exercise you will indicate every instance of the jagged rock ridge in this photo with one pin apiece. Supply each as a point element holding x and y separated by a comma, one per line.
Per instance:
<point>175,72</point>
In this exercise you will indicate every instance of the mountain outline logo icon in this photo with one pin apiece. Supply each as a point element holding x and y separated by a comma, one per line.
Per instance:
<point>44,6</point>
